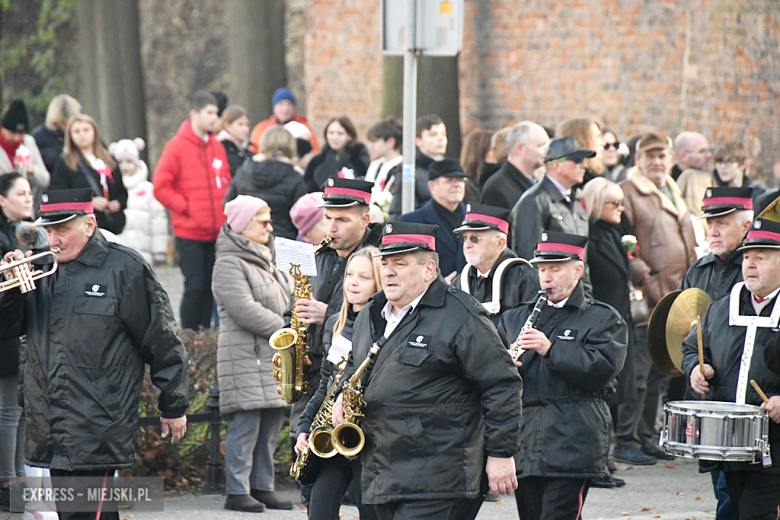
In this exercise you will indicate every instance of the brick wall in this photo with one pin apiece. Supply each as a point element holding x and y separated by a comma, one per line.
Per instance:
<point>706,65</point>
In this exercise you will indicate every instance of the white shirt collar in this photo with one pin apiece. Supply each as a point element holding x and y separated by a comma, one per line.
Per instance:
<point>393,320</point>
<point>560,304</point>
<point>566,192</point>
<point>760,306</point>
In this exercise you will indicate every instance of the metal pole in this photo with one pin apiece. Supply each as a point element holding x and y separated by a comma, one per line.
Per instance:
<point>410,107</point>
<point>215,475</point>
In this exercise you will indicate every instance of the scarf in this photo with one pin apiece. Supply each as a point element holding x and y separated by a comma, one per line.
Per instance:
<point>9,148</point>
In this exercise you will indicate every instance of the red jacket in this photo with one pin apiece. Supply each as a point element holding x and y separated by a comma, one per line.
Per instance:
<point>191,179</point>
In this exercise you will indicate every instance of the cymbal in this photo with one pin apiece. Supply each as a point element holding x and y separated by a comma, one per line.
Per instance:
<point>771,212</point>
<point>656,335</point>
<point>690,304</point>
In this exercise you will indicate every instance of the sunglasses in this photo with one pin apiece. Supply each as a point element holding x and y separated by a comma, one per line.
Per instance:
<point>575,161</point>
<point>614,145</point>
<point>474,239</point>
<point>265,223</point>
<point>616,203</point>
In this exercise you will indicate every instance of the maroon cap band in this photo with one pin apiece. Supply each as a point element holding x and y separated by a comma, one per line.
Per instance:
<point>362,195</point>
<point>561,248</point>
<point>410,239</point>
<point>767,235</point>
<point>732,201</point>
<point>68,206</point>
<point>503,225</point>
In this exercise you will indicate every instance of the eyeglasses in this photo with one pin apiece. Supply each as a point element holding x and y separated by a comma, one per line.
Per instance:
<point>575,161</point>
<point>265,223</point>
<point>726,162</point>
<point>474,239</point>
<point>616,203</point>
<point>614,145</point>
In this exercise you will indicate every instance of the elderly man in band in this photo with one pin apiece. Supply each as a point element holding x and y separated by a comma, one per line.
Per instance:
<point>91,328</point>
<point>442,397</point>
<point>494,275</point>
<point>736,336</point>
<point>572,355</point>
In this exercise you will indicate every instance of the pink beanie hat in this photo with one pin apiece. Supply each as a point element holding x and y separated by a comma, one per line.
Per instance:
<point>305,214</point>
<point>127,149</point>
<point>241,210</point>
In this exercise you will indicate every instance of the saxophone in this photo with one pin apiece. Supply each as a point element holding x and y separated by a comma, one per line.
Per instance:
<point>290,342</point>
<point>321,428</point>
<point>514,349</point>
<point>348,438</point>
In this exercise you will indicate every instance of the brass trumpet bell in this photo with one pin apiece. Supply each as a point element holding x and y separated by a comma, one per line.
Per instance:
<point>348,439</point>
<point>23,276</point>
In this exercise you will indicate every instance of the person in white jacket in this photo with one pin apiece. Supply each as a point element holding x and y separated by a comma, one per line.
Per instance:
<point>146,229</point>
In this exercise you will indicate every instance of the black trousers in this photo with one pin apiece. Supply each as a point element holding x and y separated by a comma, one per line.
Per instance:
<point>86,515</point>
<point>754,494</point>
<point>196,260</point>
<point>328,490</point>
<point>542,498</point>
<point>428,509</point>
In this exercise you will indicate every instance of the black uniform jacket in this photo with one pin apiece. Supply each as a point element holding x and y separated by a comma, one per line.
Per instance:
<point>714,275</point>
<point>723,347</point>
<point>90,329</point>
<point>442,393</point>
<point>566,420</point>
<point>519,284</point>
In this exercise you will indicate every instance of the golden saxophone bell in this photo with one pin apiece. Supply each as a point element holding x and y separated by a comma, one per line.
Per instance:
<point>284,362</point>
<point>348,439</point>
<point>22,275</point>
<point>321,442</point>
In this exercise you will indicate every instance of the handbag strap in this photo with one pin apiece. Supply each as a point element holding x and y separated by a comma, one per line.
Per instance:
<point>96,189</point>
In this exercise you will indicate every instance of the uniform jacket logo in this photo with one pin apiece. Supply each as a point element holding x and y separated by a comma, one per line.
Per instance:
<point>568,335</point>
<point>95,290</point>
<point>419,341</point>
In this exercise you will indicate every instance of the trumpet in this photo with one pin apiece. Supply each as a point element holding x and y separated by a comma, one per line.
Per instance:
<point>22,275</point>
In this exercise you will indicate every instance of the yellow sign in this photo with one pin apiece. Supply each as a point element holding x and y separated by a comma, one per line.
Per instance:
<point>445,8</point>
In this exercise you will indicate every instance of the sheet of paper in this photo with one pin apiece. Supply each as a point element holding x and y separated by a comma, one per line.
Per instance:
<point>339,348</point>
<point>293,252</point>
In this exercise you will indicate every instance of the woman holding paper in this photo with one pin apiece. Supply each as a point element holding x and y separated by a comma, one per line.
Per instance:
<point>251,294</point>
<point>361,281</point>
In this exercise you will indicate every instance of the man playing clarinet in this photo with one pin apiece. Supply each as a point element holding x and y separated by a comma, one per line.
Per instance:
<point>571,356</point>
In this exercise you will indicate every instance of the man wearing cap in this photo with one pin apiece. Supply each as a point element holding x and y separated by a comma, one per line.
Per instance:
<point>662,225</point>
<point>493,274</point>
<point>18,150</point>
<point>572,355</point>
<point>447,183</point>
<point>284,110</point>
<point>550,204</point>
<point>736,335</point>
<point>442,397</point>
<point>91,327</point>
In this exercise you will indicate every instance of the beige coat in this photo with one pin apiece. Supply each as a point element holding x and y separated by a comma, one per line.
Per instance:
<point>251,294</point>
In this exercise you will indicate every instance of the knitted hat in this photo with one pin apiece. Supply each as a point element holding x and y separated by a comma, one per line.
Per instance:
<point>125,149</point>
<point>241,210</point>
<point>15,118</point>
<point>280,94</point>
<point>305,214</point>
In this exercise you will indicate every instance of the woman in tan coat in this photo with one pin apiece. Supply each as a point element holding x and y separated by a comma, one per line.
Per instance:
<point>251,295</point>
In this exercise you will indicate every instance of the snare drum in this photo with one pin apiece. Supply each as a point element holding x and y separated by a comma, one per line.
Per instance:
<point>713,430</point>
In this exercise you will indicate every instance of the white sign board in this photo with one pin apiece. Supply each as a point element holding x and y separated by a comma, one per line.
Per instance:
<point>439,27</point>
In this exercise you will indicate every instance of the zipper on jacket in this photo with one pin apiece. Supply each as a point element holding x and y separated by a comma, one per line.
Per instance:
<point>208,180</point>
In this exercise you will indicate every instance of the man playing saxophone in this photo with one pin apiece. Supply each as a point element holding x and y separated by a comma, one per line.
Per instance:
<point>572,353</point>
<point>442,397</point>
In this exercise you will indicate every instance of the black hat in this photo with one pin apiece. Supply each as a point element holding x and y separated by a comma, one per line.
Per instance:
<point>480,217</point>
<point>565,147</point>
<point>345,193</point>
<point>764,234</point>
<point>722,201</point>
<point>406,237</point>
<point>15,118</point>
<point>555,246</point>
<point>445,168</point>
<point>59,206</point>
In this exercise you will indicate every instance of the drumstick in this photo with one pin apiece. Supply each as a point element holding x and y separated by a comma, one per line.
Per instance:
<point>758,389</point>
<point>701,348</point>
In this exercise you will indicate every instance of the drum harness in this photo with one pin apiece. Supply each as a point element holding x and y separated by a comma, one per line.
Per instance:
<point>493,306</point>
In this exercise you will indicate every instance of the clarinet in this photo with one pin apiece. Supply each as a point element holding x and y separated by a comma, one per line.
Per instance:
<point>514,349</point>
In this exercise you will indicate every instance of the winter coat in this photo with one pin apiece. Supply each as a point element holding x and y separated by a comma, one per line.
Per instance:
<point>90,329</point>
<point>236,153</point>
<point>49,143</point>
<point>664,233</point>
<point>442,393</point>
<point>714,275</point>
<point>448,244</point>
<point>505,187</point>
<point>566,420</point>
<point>421,192</point>
<point>146,229</point>
<point>64,178</point>
<point>275,182</point>
<point>519,284</point>
<point>191,179</point>
<point>262,126</point>
<point>328,163</point>
<point>723,348</point>
<point>40,177</point>
<point>251,295</point>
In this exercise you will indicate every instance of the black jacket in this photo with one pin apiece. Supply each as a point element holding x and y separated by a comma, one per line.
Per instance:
<point>49,144</point>
<point>63,178</point>
<point>90,330</point>
<point>277,183</point>
<point>610,269</point>
<point>441,394</point>
<point>448,244</point>
<point>714,275</point>
<point>723,347</point>
<point>421,192</point>
<point>328,163</point>
<point>505,187</point>
<point>519,284</point>
<point>236,156</point>
<point>566,420</point>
